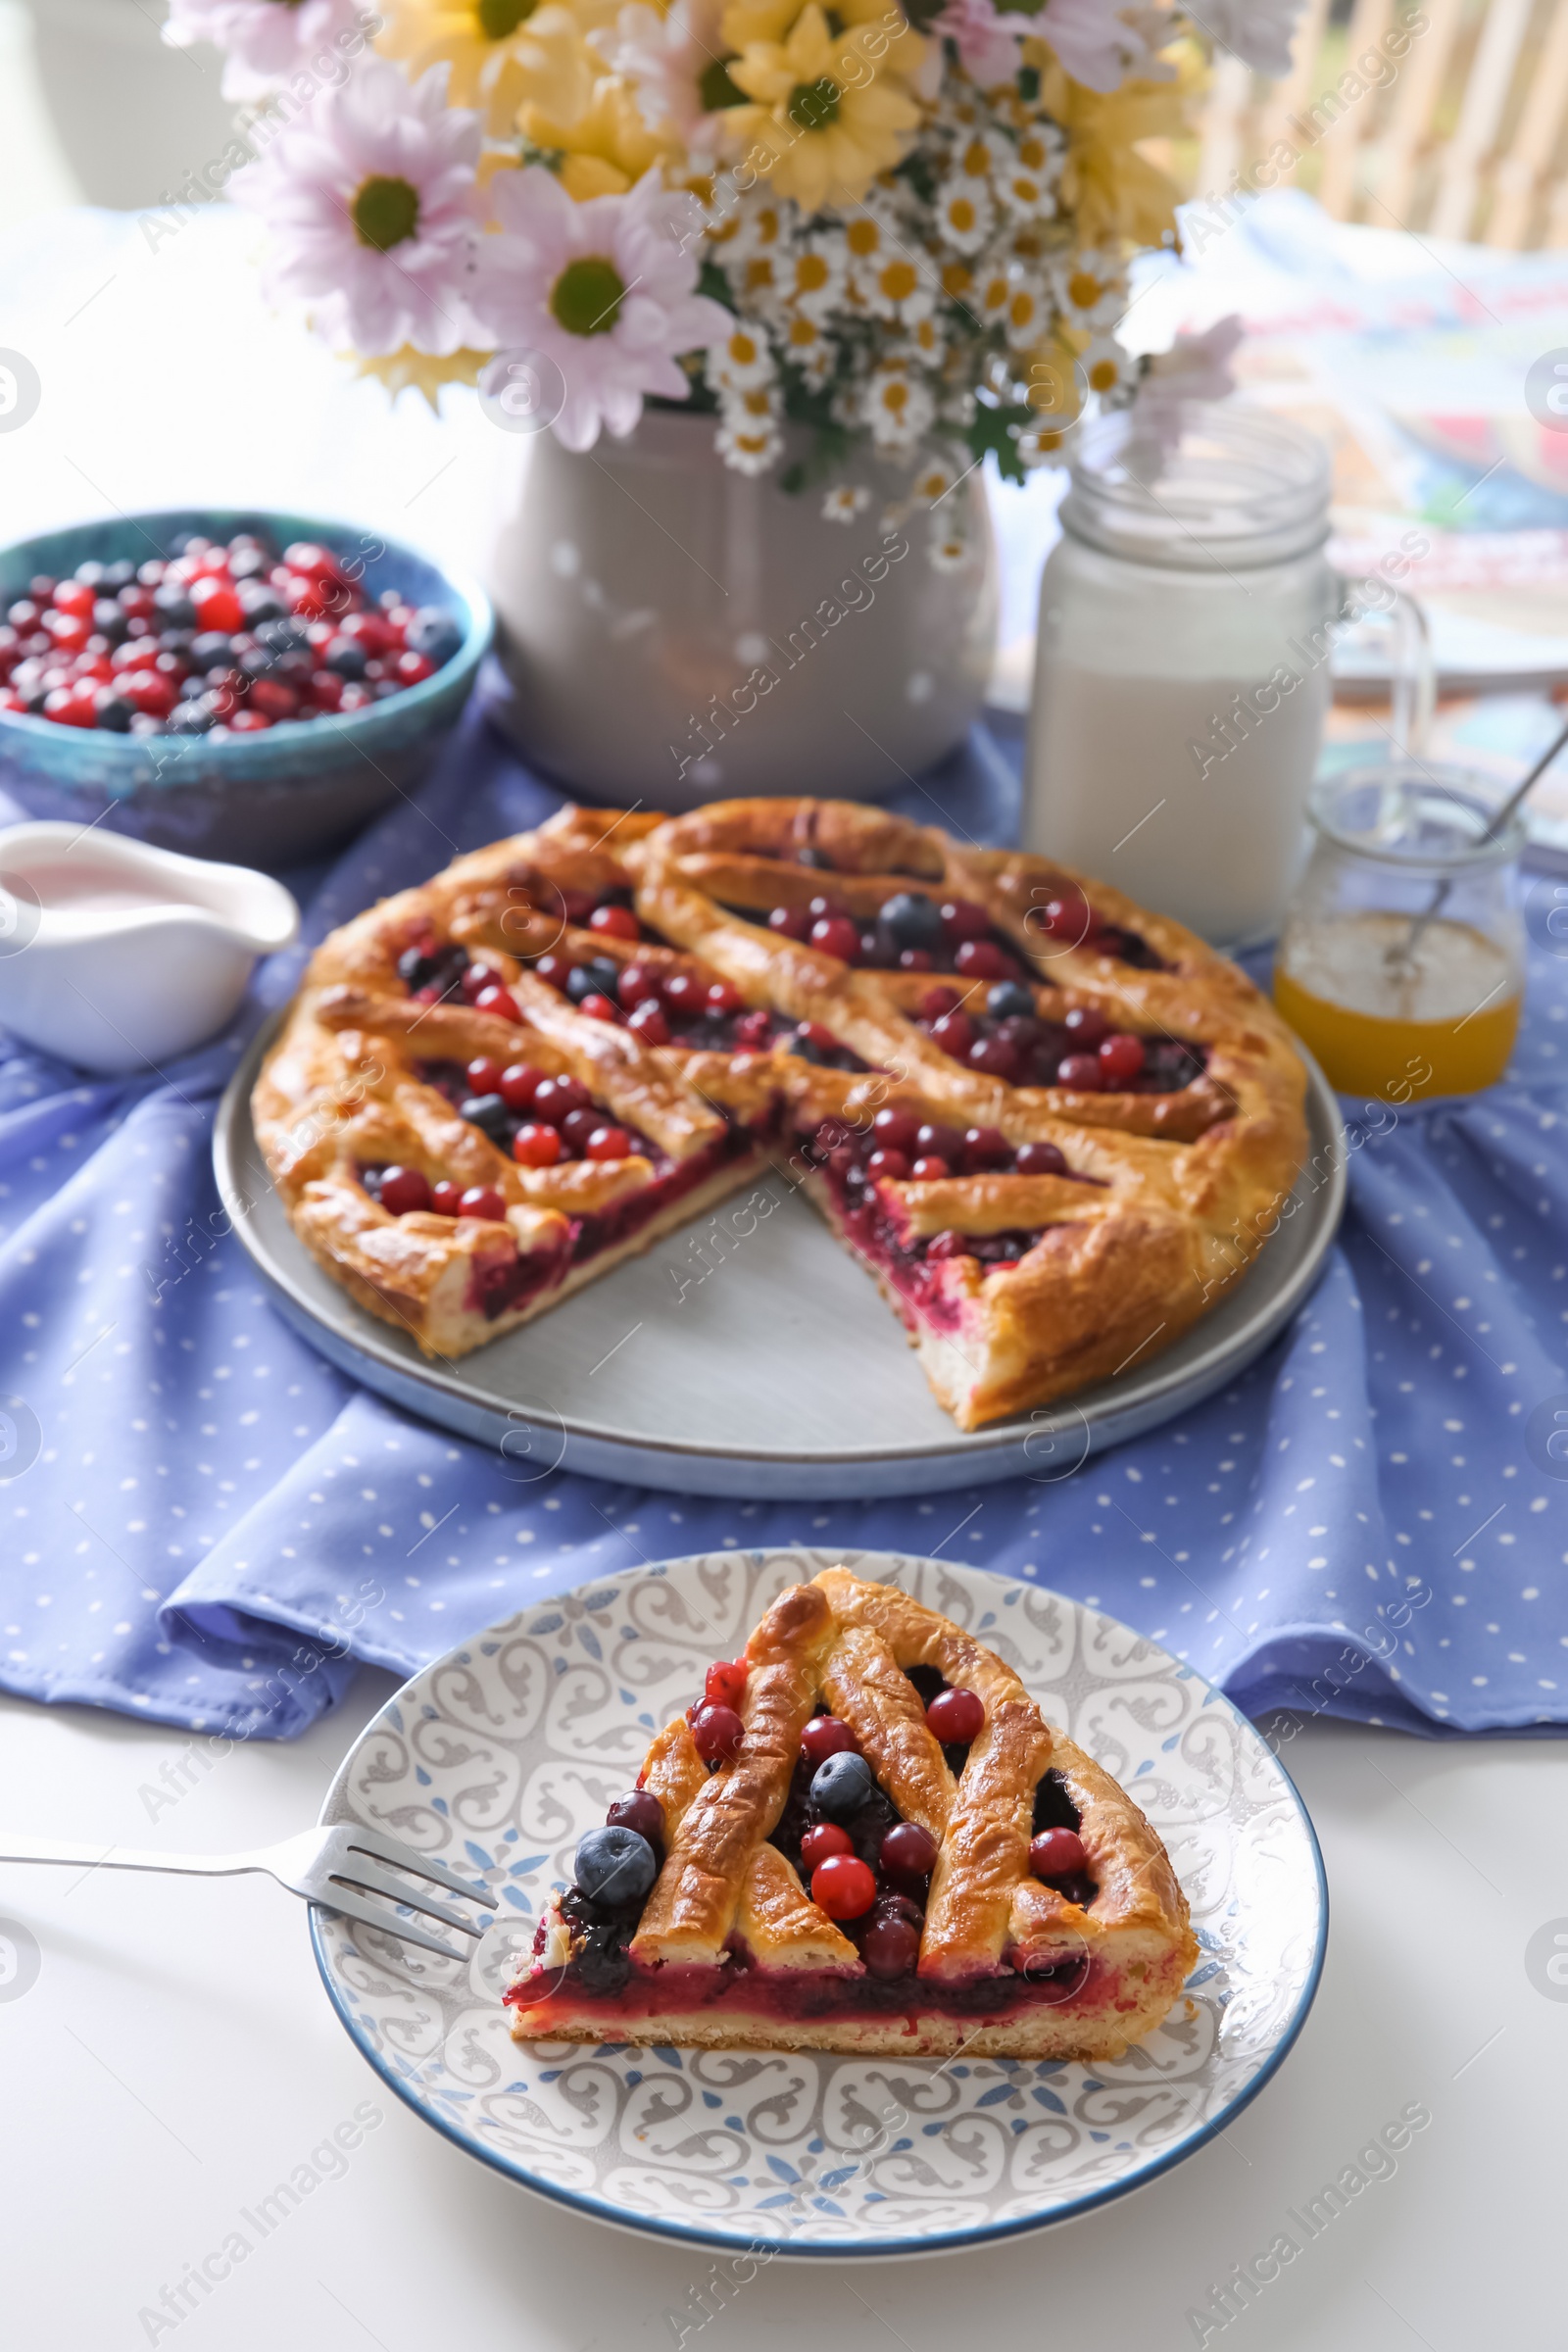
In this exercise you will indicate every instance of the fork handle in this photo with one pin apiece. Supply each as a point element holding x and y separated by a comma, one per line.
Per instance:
<point>120,1857</point>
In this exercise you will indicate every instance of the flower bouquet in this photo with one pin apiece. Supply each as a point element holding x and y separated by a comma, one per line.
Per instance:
<point>903,226</point>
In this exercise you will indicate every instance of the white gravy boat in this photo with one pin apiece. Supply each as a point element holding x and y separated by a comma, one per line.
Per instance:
<point>114,956</point>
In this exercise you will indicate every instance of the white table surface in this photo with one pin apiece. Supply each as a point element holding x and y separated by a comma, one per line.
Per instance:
<point>177,2056</point>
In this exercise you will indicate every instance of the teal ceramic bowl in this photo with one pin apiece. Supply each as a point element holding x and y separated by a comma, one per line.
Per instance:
<point>270,799</point>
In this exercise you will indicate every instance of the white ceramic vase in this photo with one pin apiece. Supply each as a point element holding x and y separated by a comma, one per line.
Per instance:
<point>674,631</point>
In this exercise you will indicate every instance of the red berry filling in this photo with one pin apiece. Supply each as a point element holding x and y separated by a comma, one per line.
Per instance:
<point>537,1119</point>
<point>998,1031</point>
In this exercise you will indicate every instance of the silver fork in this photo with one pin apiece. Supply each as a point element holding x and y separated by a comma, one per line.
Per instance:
<point>335,1868</point>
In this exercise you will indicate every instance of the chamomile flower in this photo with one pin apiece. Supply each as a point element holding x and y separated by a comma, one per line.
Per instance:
<point>844,502</point>
<point>947,546</point>
<point>964,214</point>
<point>749,436</point>
<point>896,409</point>
<point>742,361</point>
<point>1091,289</point>
<point>1027,314</point>
<point>812,281</point>
<point>992,291</point>
<point>808,347</point>
<point>1106,366</point>
<point>1028,195</point>
<point>896,289</point>
<point>933,480</point>
<point>925,343</point>
<point>870,237</point>
<point>679,66</point>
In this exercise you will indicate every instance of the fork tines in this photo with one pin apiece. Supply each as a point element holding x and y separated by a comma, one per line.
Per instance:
<point>353,1871</point>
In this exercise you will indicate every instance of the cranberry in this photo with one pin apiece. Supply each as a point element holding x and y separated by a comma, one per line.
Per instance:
<point>74,597</point>
<point>985,1147</point>
<point>639,1810</point>
<point>721,997</point>
<point>146,691</point>
<point>954,1034</point>
<point>825,1736</point>
<point>725,1683</point>
<point>891,1905</point>
<point>412,669</point>
<point>955,1717</point>
<point>638,985</point>
<point>823,1840</point>
<point>248,722</point>
<point>939,1000</point>
<point>916,959</point>
<point>1121,1058</point>
<point>843,1887</point>
<point>598,1008</point>
<point>909,1852</point>
<point>1040,1159</point>
<point>1057,1855</point>
<point>404,1191</point>
<point>996,1056</point>
<point>837,936</point>
<point>556,1095</point>
<point>477,978</point>
<point>896,1129</point>
<point>615,922</point>
<point>554,969</point>
<point>755,1032</point>
<point>793,921</point>
<point>892,1165</point>
<point>650,1023</point>
<point>1067,917</point>
<point>817,1034</point>
<point>216,604</point>
<point>536,1147</point>
<point>890,1947</point>
<point>963,919</point>
<point>326,689</point>
<point>983,959</point>
<point>580,1127</point>
<point>947,1143</point>
<point>498,1001</point>
<point>608,1142</point>
<point>445,1197</point>
<point>1081,1071</point>
<point>274,699</point>
<point>517,1084</point>
<point>1086,1025</point>
<point>818,909</point>
<point>484,1076</point>
<point>483,1201</point>
<point>928,1169</point>
<point>716,1735</point>
<point>685,993</point>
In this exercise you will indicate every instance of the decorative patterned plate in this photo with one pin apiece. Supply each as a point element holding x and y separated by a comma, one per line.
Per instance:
<point>500,1755</point>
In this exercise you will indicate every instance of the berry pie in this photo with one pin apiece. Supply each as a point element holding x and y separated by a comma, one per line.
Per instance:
<point>863,1837</point>
<point>1052,1126</point>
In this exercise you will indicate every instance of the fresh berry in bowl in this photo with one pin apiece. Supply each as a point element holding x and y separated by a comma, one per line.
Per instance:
<point>247,686</point>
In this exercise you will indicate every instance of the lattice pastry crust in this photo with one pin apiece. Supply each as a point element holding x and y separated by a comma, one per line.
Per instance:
<point>732,1951</point>
<point>1016,1287</point>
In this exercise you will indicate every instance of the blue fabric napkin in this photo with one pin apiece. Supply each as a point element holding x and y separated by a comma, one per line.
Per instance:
<point>206,1523</point>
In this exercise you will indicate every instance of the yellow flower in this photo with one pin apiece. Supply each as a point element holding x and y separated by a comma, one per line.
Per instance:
<point>608,145</point>
<point>1115,196</point>
<point>410,371</point>
<point>493,47</point>
<point>830,112</point>
<point>1054,382</point>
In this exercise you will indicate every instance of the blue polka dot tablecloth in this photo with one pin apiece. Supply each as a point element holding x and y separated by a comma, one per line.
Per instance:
<point>203,1523</point>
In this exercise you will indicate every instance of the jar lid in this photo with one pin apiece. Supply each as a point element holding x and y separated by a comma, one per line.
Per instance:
<point>1198,486</point>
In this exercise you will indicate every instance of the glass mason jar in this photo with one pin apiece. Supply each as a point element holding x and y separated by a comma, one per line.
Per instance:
<point>1182,662</point>
<point>1401,965</point>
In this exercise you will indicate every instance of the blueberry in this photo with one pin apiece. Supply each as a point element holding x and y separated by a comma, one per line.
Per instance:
<point>109,621</point>
<point>257,663</point>
<point>115,714</point>
<point>260,603</point>
<point>143,723</point>
<point>90,573</point>
<point>489,1113</point>
<point>598,978</point>
<point>841,1785</point>
<point>176,641</point>
<point>211,649</point>
<point>249,563</point>
<point>415,969</point>
<point>911,920</point>
<point>118,575</point>
<point>180,541</point>
<point>194,717</point>
<point>174,606</point>
<point>1010,1000</point>
<point>615,1867</point>
<point>434,633</point>
<point>285,636</point>
<point>347,657</point>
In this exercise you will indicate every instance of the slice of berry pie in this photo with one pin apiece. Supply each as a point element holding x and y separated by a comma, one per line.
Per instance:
<point>863,1837</point>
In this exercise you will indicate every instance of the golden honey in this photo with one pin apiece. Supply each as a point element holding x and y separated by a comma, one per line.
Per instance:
<point>1393,1025</point>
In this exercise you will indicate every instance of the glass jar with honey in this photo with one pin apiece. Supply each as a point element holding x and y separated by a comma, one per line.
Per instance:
<point>1401,964</point>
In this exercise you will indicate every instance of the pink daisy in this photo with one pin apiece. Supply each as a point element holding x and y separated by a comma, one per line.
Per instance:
<point>371,204</point>
<point>603,290</point>
<point>987,41</point>
<point>270,40</point>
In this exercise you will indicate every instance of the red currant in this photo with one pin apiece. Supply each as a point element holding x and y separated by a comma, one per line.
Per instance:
<point>639,984</point>
<point>536,1147</point>
<point>556,1097</point>
<point>498,1001</point>
<point>74,597</point>
<point>444,1199</point>
<point>412,669</point>
<point>722,998</point>
<point>983,959</point>
<point>896,1129</point>
<point>1066,917</point>
<point>793,921</point>
<point>248,722</point>
<point>825,1838</point>
<point>216,604</point>
<point>837,936</point>
<point>608,1142</point>
<point>907,1852</point>
<point>985,1147</point>
<point>1057,1855</point>
<point>649,1023</point>
<point>615,922</point>
<point>916,959</point>
<point>1121,1058</point>
<point>892,1165</point>
<point>825,1736</point>
<point>404,1191</point>
<point>483,1201</point>
<point>1081,1072</point>
<point>955,1717</point>
<point>578,1126</point>
<point>484,1076</point>
<point>598,1008</point>
<point>684,992</point>
<point>928,1169</point>
<point>1086,1024</point>
<point>754,1032</point>
<point>996,1056</point>
<point>725,1683</point>
<point>890,1946</point>
<point>1040,1159</point>
<point>963,919</point>
<point>640,1810</point>
<point>954,1032</point>
<point>518,1085</point>
<point>717,1734</point>
<point>947,1143</point>
<point>843,1887</point>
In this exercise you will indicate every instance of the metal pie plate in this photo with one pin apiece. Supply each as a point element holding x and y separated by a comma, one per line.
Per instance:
<point>748,1355</point>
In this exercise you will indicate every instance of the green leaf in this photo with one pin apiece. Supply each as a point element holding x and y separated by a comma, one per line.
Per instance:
<point>994,433</point>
